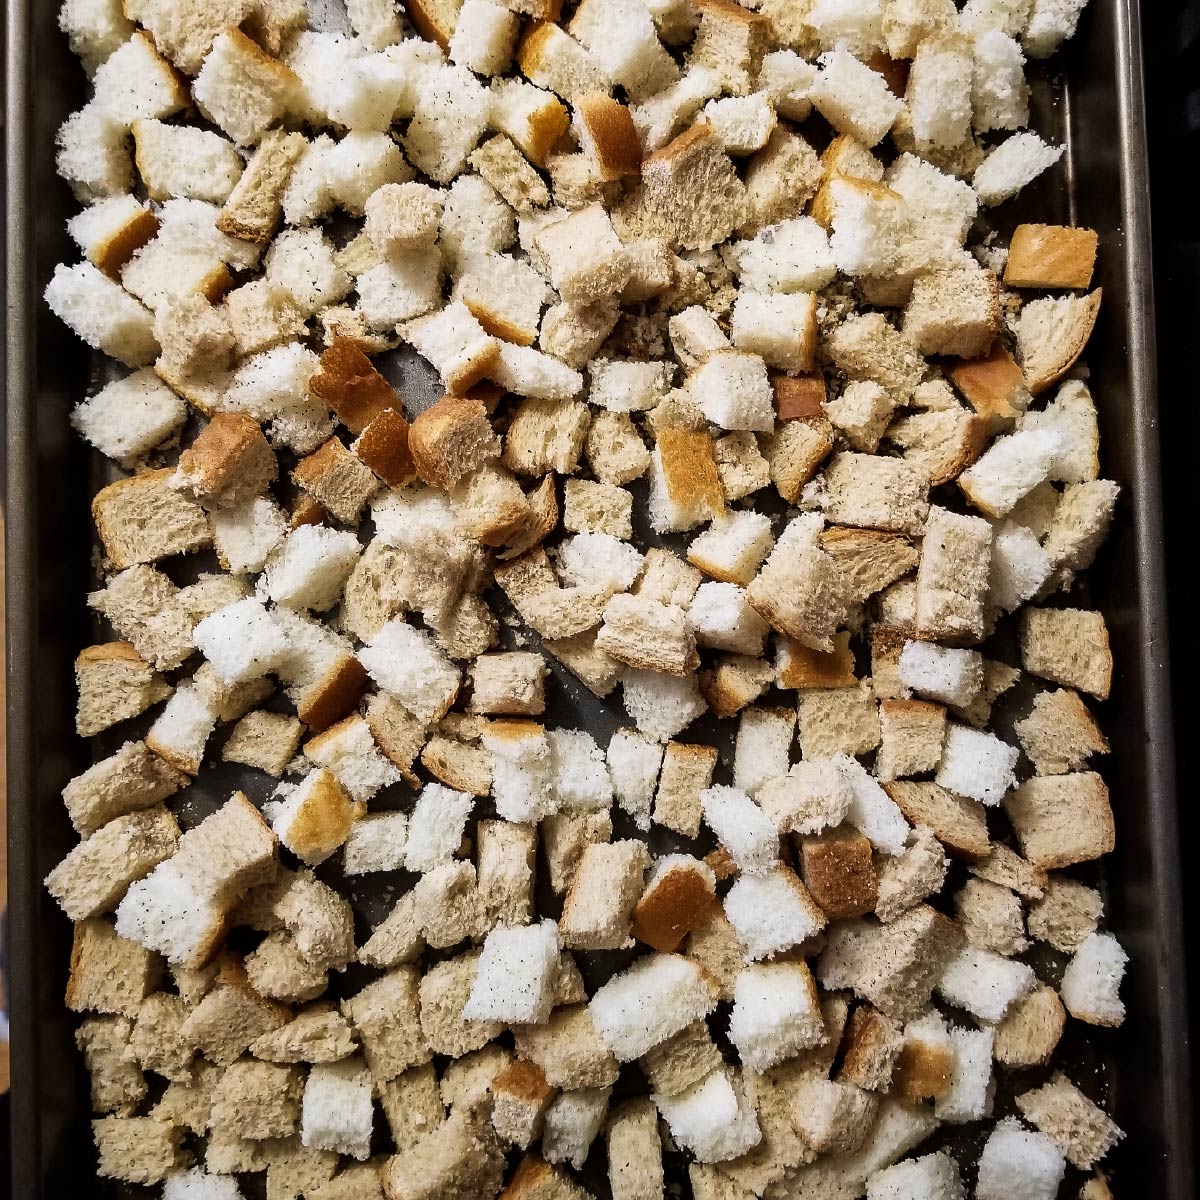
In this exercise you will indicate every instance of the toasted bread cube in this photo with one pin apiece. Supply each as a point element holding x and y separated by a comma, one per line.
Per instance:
<point>1062,819</point>
<point>1015,1161</point>
<point>633,765</point>
<point>836,868</point>
<point>685,487</point>
<point>117,1084</point>
<point>520,1098</point>
<point>1067,913</point>
<point>109,973</point>
<point>985,984</point>
<point>977,764</point>
<point>136,1149</point>
<point>456,344</point>
<point>942,673</point>
<point>112,230</point>
<point>854,99</point>
<point>1050,256</point>
<point>722,618</point>
<point>731,388</point>
<point>114,683</point>
<point>678,889</point>
<point>955,312</point>
<point>316,818</point>
<point>241,88</point>
<point>606,886</point>
<point>712,1118</point>
<point>228,464</point>
<point>911,877</point>
<point>513,982</point>
<point>175,160</point>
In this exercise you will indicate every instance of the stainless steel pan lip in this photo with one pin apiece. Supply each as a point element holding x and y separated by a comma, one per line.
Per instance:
<point>1157,1112</point>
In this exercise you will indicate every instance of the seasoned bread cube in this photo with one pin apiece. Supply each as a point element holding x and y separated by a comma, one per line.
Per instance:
<point>1069,646</point>
<point>241,88</point>
<point>1091,982</point>
<point>111,231</point>
<point>176,160</point>
<point>1016,1162</point>
<point>515,975</point>
<point>772,912</point>
<point>854,99</point>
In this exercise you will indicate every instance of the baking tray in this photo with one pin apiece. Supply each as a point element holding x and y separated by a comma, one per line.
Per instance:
<point>1097,110</point>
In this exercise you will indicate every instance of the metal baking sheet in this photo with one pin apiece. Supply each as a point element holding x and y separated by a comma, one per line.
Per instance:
<point>1092,102</point>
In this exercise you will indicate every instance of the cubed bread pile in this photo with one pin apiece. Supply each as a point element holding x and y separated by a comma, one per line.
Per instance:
<point>753,428</point>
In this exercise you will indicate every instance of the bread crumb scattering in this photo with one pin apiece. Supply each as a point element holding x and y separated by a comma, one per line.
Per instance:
<point>745,444</point>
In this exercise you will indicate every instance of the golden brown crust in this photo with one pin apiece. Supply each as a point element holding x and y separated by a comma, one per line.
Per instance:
<point>994,385</point>
<point>1067,354</point>
<point>495,323</point>
<point>348,382</point>
<point>546,127</point>
<point>253,208</point>
<point>837,869</point>
<point>923,1072</point>
<point>1051,256</point>
<point>324,819</point>
<point>524,1080</point>
<point>689,468</point>
<point>230,460</point>
<point>668,908</point>
<point>307,511</point>
<point>113,254</point>
<point>617,148</point>
<point>441,424</point>
<point>334,695</point>
<point>803,667</point>
<point>799,396</point>
<point>383,446</point>
<point>109,652</point>
<point>434,21</point>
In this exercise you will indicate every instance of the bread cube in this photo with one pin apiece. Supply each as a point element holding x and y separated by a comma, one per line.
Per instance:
<point>732,391</point>
<point>515,975</point>
<point>623,41</point>
<point>712,1118</point>
<point>606,886</point>
<point>1067,913</point>
<point>451,114</point>
<point>685,486</point>
<point>772,912</point>
<point>780,327</point>
<point>854,99</point>
<point>315,818</point>
<point>1069,646</point>
<point>1062,819</point>
<point>100,312</point>
<point>977,764</point>
<point>931,1177</point>
<point>337,1111</point>
<point>985,984</point>
<point>176,160</point>
<point>954,312</point>
<point>242,89</point>
<point>775,1014</point>
<point>1031,1029</point>
<point>1015,1161</point>
<point>1079,1128</point>
<point>1011,165</point>
<point>436,827</point>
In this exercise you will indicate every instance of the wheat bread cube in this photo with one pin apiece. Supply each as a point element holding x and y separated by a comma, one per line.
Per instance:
<point>677,890</point>
<point>1062,819</point>
<point>873,1043</point>
<point>911,736</point>
<point>606,885</point>
<point>520,1099</point>
<point>801,667</point>
<point>634,1149</point>
<point>1031,1029</point>
<point>136,1149</point>
<point>113,683</point>
<point>109,973</point>
<point>448,905</point>
<point>444,992</point>
<point>1069,646</point>
<point>912,876</point>
<point>545,435</point>
<point>1080,1129</point>
<point>117,1086</point>
<point>991,917</point>
<point>837,869</point>
<point>131,779</point>
<point>1067,913</point>
<point>317,1034</point>
<point>461,1157</point>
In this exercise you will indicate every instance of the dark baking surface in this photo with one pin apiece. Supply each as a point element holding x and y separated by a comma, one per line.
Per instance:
<point>1142,1069</point>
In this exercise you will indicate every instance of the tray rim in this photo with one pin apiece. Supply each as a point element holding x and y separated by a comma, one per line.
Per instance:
<point>24,886</point>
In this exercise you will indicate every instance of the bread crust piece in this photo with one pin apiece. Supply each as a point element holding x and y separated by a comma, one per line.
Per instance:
<point>689,467</point>
<point>670,906</point>
<point>799,396</point>
<point>1051,256</point>
<point>1045,365</point>
<point>450,439</point>
<point>253,208</point>
<point>609,128</point>
<point>994,386</point>
<point>348,382</point>
<point>957,822</point>
<point>110,256</point>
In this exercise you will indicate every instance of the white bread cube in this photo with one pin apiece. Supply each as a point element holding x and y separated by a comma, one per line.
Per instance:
<point>999,93</point>
<point>505,293</point>
<point>624,386</point>
<point>475,218</point>
<point>242,641</point>
<point>358,165</point>
<point>198,1184</point>
<point>1008,16</point>
<point>93,154</point>
<point>102,313</point>
<point>311,567</point>
<point>136,81</point>
<point>944,206</point>
<point>742,123</point>
<point>723,619</point>
<point>1010,469</point>
<point>732,390</point>
<point>713,1118</point>
<point>781,328</point>
<point>941,673</point>
<point>130,416</point>
<point>484,36</point>
<point>306,196</point>
<point>871,227</point>
<point>775,1015</point>
<point>181,731</point>
<point>658,118</point>
<point>1072,415</point>
<point>375,21</point>
<point>242,89</point>
<point>762,750</point>
<point>403,216</point>
<point>1016,1162</point>
<point>599,562</point>
<point>742,828</point>
<point>857,24</point>
<point>931,1177</point>
<point>650,1001</point>
<point>793,256</point>
<point>368,92</point>
<point>1010,166</point>
<point>1051,22</point>
<point>452,112</point>
<point>788,80</point>
<point>977,764</point>
<point>1091,983</point>
<point>939,92</point>
<point>534,119</point>
<point>622,38</point>
<point>525,371</point>
<point>112,230</point>
<point>406,662</point>
<point>695,334</point>
<point>660,705</point>
<point>772,912</point>
<point>436,827</point>
<point>985,984</point>
<point>633,764</point>
<point>406,286</point>
<point>1020,565</point>
<point>572,1121</point>
<point>95,28</point>
<point>318,60</point>
<point>303,263</point>
<point>733,547</point>
<point>453,340</point>
<point>969,1095</point>
<point>376,843</point>
<point>853,98</point>
<point>515,975</point>
<point>581,779</point>
<point>338,1111</point>
<point>177,160</point>
<point>349,751</point>
<point>522,770</point>
<point>585,258</point>
<point>246,534</point>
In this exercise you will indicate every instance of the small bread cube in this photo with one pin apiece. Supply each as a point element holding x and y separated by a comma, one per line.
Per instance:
<point>1050,256</point>
<point>685,485</point>
<point>137,1149</point>
<point>954,312</point>
<point>242,641</point>
<point>712,1118</point>
<point>942,673</point>
<point>408,285</point>
<point>315,818</point>
<point>780,327</point>
<point>436,827</point>
<point>1069,646</point>
<point>1011,165</point>
<point>678,889</point>
<point>977,764</point>
<point>514,979</point>
<point>650,1001</point>
<point>228,464</point>
<point>451,115</point>
<point>732,391</point>
<point>722,618</point>
<point>111,231</point>
<point>1079,1128</point>
<point>1062,819</point>
<point>836,868</point>
<point>1031,1029</point>
<point>854,99</point>
<point>573,1120</point>
<point>912,733</point>
<point>93,154</point>
<point>633,765</point>
<point>337,479</point>
<point>931,1177</point>
<point>403,660</point>
<point>1016,1162</point>
<point>264,740</point>
<point>505,870</point>
<point>520,1098</point>
<point>1010,469</point>
<point>102,313</point>
<point>109,973</point>
<point>456,344</point>
<point>311,567</point>
<point>176,160</point>
<point>587,260</point>
<point>114,683</point>
<point>1091,981</point>
<point>599,905</point>
<point>1067,913</point>
<point>241,88</point>
<point>775,1013</point>
<point>623,41</point>
<point>338,1111</point>
<point>772,912</point>
<point>553,59</point>
<point>985,984</point>
<point>484,36</point>
<point>742,828</point>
